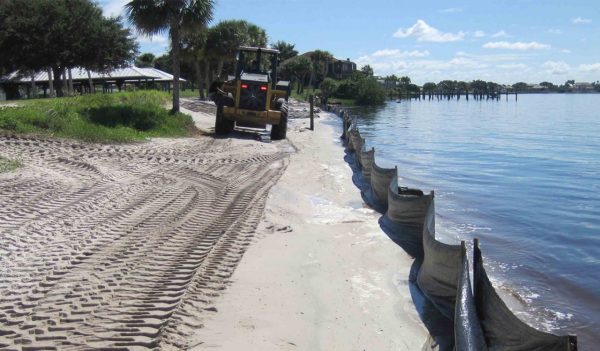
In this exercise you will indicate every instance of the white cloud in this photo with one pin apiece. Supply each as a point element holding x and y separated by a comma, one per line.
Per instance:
<point>554,31</point>
<point>155,39</point>
<point>385,62</point>
<point>592,67</point>
<point>399,53</point>
<point>479,34</point>
<point>113,7</point>
<point>514,66</point>
<point>556,67</point>
<point>515,45</point>
<point>565,51</point>
<point>424,32</point>
<point>493,58</point>
<point>581,20</point>
<point>452,10</point>
<point>500,34</point>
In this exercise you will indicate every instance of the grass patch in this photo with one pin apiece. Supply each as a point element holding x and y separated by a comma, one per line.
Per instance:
<point>117,117</point>
<point>304,95</point>
<point>308,91</point>
<point>343,102</point>
<point>189,93</point>
<point>7,165</point>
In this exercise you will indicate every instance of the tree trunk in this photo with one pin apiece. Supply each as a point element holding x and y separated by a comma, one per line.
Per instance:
<point>64,81</point>
<point>50,83</point>
<point>207,73</point>
<point>199,79</point>
<point>90,82</point>
<point>58,80</point>
<point>220,67</point>
<point>33,87</point>
<point>71,90</point>
<point>175,45</point>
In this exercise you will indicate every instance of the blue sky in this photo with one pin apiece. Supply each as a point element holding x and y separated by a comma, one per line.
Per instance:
<point>504,40</point>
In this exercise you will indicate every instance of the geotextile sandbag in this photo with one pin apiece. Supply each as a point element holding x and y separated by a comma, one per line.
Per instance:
<point>380,182</point>
<point>440,269</point>
<point>468,335</point>
<point>408,206</point>
<point>351,136</point>
<point>366,160</point>
<point>503,330</point>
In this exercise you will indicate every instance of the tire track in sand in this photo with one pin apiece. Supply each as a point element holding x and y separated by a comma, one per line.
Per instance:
<point>123,247</point>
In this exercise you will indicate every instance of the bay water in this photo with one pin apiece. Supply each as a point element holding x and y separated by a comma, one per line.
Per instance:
<point>523,176</point>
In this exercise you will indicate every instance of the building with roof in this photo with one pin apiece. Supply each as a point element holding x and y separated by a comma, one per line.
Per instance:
<point>336,68</point>
<point>340,69</point>
<point>18,85</point>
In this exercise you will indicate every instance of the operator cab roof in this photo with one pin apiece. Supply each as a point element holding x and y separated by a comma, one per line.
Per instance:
<point>255,77</point>
<point>255,49</point>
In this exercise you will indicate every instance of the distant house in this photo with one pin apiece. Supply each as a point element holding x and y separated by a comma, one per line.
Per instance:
<point>583,87</point>
<point>340,69</point>
<point>17,85</point>
<point>536,87</point>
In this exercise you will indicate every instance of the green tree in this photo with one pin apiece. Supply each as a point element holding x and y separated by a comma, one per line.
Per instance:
<point>479,87</point>
<point>226,37</point>
<point>286,50</point>
<point>429,88</point>
<point>447,87</point>
<point>367,70</point>
<point>404,85</point>
<point>194,53</point>
<point>328,88</point>
<point>370,92</point>
<point>297,69</point>
<point>520,86</point>
<point>145,60</point>
<point>320,60</point>
<point>548,86</point>
<point>391,85</point>
<point>60,35</point>
<point>462,88</point>
<point>158,16</point>
<point>164,63</point>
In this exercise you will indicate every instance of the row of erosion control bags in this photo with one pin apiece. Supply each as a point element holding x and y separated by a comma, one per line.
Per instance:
<point>482,321</point>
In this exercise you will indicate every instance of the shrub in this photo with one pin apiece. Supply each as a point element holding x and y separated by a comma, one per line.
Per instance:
<point>370,92</point>
<point>363,89</point>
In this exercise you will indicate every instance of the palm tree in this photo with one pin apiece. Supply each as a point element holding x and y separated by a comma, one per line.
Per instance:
<point>145,60</point>
<point>158,16</point>
<point>297,68</point>
<point>226,37</point>
<point>194,52</point>
<point>320,60</point>
<point>286,50</point>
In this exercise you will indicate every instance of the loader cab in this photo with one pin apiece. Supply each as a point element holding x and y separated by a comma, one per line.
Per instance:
<point>257,62</point>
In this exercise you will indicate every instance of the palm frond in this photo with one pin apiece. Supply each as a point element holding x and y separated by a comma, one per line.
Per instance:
<point>197,13</point>
<point>149,16</point>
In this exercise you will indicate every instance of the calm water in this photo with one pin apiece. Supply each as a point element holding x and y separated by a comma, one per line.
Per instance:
<point>524,177</point>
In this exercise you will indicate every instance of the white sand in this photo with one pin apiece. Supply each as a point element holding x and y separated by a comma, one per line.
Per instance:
<point>324,276</point>
<point>134,245</point>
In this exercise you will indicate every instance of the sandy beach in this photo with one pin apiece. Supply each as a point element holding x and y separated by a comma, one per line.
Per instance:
<point>197,243</point>
<point>322,275</point>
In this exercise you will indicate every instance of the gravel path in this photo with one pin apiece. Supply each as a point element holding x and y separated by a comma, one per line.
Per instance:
<point>123,247</point>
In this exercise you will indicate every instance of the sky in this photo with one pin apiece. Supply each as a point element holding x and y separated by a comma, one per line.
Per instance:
<point>505,41</point>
